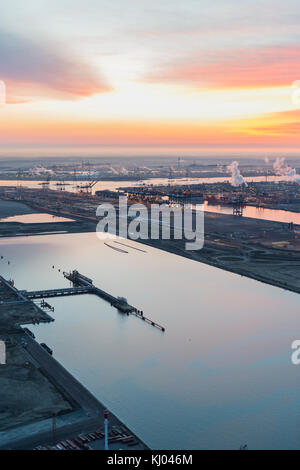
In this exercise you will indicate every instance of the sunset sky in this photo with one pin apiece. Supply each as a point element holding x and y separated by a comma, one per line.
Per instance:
<point>150,74</point>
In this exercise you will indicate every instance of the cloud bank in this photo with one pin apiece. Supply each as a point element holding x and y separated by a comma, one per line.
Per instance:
<point>30,69</point>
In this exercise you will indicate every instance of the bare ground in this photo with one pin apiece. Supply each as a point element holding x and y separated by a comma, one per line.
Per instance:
<point>25,393</point>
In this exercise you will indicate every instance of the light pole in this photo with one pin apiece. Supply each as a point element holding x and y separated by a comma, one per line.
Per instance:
<point>105,430</point>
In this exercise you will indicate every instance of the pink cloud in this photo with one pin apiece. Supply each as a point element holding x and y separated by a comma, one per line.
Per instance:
<point>268,66</point>
<point>32,70</point>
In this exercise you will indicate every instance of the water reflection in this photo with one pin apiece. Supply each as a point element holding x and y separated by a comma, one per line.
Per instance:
<point>220,376</point>
<point>257,213</point>
<point>35,218</point>
<point>74,186</point>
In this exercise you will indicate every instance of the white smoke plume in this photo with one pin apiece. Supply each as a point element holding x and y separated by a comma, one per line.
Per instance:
<point>267,160</point>
<point>283,169</point>
<point>236,177</point>
<point>123,171</point>
<point>39,170</point>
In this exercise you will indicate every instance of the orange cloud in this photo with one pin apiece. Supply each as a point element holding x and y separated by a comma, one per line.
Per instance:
<point>269,131</point>
<point>27,125</point>
<point>283,126</point>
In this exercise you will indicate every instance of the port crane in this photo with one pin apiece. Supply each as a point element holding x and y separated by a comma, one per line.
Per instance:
<point>88,186</point>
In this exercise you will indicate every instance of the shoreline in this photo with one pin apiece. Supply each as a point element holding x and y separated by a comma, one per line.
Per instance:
<point>82,225</point>
<point>87,412</point>
<point>237,271</point>
<point>243,257</point>
<point>74,407</point>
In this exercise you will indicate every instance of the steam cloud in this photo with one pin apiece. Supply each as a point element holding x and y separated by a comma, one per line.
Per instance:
<point>283,169</point>
<point>236,177</point>
<point>40,170</point>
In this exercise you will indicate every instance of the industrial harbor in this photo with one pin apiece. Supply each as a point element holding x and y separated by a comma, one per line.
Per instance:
<point>149,230</point>
<point>71,417</point>
<point>129,366</point>
<point>248,246</point>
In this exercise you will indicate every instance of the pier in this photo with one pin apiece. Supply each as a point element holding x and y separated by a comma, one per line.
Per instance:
<point>52,399</point>
<point>15,304</point>
<point>44,294</point>
<point>84,285</point>
<point>80,280</point>
<point>121,304</point>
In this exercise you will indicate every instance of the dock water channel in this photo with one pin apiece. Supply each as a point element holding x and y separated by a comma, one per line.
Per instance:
<point>219,377</point>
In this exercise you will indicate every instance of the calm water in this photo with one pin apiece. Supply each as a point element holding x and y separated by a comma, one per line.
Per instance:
<point>72,186</point>
<point>35,218</point>
<point>257,213</point>
<point>220,376</point>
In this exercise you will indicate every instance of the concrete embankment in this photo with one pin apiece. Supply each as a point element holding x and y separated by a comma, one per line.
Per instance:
<point>87,411</point>
<point>47,388</point>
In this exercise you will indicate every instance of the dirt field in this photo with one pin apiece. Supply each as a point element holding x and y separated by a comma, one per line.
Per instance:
<point>16,310</point>
<point>20,314</point>
<point>11,208</point>
<point>25,394</point>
